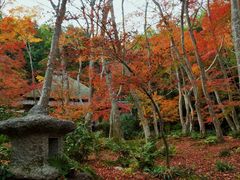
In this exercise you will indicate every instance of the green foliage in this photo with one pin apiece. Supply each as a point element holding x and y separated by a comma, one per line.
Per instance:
<point>134,156</point>
<point>81,142</point>
<point>176,134</point>
<point>224,153</point>
<point>223,166</point>
<point>172,150</point>
<point>3,139</point>
<point>4,153</point>
<point>65,166</point>
<point>235,135</point>
<point>211,140</point>
<point>130,127</point>
<point>196,135</point>
<point>4,150</point>
<point>4,173</point>
<point>103,127</point>
<point>88,170</point>
<point>164,173</point>
<point>147,155</point>
<point>4,114</point>
<point>41,49</point>
<point>115,146</point>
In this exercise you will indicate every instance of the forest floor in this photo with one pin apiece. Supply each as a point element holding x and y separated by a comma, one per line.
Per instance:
<point>194,154</point>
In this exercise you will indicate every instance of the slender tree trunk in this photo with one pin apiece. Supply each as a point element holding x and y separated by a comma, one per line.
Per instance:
<point>203,78</point>
<point>115,123</point>
<point>235,12</point>
<point>235,126</point>
<point>192,78</point>
<point>29,51</point>
<point>65,83</point>
<point>78,81</point>
<point>186,64</point>
<point>42,104</point>
<point>143,120</point>
<point>89,114</point>
<point>155,122</point>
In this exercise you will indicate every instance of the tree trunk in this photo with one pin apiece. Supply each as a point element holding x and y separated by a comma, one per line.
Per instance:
<point>42,104</point>
<point>143,120</point>
<point>29,51</point>
<point>88,117</point>
<point>114,120</point>
<point>203,78</point>
<point>78,81</point>
<point>235,12</point>
<point>65,83</point>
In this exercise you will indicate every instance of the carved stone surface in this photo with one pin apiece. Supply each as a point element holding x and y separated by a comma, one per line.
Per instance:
<point>35,138</point>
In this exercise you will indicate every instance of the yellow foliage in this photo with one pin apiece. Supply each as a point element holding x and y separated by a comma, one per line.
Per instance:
<point>168,107</point>
<point>39,78</point>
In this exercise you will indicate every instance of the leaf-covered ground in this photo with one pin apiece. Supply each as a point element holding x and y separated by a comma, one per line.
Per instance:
<point>189,153</point>
<point>202,158</point>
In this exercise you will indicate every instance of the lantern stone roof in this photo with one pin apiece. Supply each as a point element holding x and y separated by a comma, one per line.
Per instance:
<point>38,123</point>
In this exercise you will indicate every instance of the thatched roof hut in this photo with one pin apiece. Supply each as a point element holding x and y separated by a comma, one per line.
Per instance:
<point>76,93</point>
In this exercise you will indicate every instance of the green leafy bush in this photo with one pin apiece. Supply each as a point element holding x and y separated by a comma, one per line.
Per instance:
<point>80,143</point>
<point>172,150</point>
<point>164,173</point>
<point>147,155</point>
<point>211,140</point>
<point>63,164</point>
<point>4,173</point>
<point>224,153</point>
<point>4,153</point>
<point>176,134</point>
<point>4,149</point>
<point>4,114</point>
<point>130,127</point>
<point>3,139</point>
<point>66,166</point>
<point>134,155</point>
<point>196,135</point>
<point>223,166</point>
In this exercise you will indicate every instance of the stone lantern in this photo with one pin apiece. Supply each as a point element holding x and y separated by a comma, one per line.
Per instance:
<point>35,138</point>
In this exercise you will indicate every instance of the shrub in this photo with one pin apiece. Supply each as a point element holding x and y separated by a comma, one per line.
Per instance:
<point>4,173</point>
<point>4,153</point>
<point>164,173</point>
<point>195,135</point>
<point>172,150</point>
<point>130,127</point>
<point>4,114</point>
<point>223,166</point>
<point>211,140</point>
<point>146,155</point>
<point>115,146</point>
<point>224,153</point>
<point>68,167</point>
<point>3,139</point>
<point>81,142</point>
<point>134,155</point>
<point>63,164</point>
<point>176,134</point>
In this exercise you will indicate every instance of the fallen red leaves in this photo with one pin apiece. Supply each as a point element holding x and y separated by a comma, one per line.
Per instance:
<point>190,153</point>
